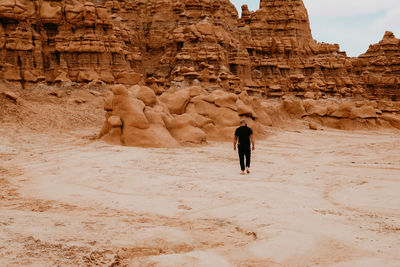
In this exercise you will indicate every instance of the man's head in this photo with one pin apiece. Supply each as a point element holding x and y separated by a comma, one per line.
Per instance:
<point>243,122</point>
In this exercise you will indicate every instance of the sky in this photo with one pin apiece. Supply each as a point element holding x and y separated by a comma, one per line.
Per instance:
<point>353,24</point>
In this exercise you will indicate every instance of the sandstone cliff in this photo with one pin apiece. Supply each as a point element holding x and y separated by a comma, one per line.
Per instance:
<point>62,41</point>
<point>162,43</point>
<point>379,68</point>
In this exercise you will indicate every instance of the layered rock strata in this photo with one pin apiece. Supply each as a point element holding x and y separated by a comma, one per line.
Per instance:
<point>286,59</point>
<point>379,68</point>
<point>63,41</point>
<point>269,52</point>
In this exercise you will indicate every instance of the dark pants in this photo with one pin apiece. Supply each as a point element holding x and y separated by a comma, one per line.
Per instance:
<point>244,151</point>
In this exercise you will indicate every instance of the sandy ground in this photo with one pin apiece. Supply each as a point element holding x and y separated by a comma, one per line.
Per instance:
<point>328,198</point>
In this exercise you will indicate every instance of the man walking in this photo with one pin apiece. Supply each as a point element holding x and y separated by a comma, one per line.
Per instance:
<point>243,137</point>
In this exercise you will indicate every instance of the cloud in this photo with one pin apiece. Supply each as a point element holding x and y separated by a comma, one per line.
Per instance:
<point>390,22</point>
<point>348,8</point>
<point>354,24</point>
<point>334,8</point>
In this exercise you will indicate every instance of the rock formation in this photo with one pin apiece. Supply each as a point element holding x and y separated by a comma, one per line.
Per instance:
<point>342,114</point>
<point>286,59</point>
<point>62,41</point>
<point>269,52</point>
<point>185,71</point>
<point>379,68</point>
<point>137,117</point>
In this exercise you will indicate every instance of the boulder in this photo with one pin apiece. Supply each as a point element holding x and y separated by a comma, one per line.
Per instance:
<point>176,102</point>
<point>220,116</point>
<point>189,134</point>
<point>146,94</point>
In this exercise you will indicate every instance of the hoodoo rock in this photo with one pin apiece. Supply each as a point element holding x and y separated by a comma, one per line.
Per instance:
<point>185,71</point>
<point>269,52</point>
<point>46,40</point>
<point>131,121</point>
<point>379,68</point>
<point>284,58</point>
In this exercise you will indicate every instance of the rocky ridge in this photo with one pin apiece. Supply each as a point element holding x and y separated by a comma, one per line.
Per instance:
<point>379,68</point>
<point>136,116</point>
<point>269,52</point>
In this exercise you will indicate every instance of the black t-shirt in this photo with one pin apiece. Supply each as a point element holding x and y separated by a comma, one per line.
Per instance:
<point>243,133</point>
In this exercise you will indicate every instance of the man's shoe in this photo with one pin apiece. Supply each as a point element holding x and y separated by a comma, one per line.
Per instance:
<point>242,173</point>
<point>247,170</point>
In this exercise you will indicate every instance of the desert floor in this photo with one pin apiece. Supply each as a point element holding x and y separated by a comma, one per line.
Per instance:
<point>328,198</point>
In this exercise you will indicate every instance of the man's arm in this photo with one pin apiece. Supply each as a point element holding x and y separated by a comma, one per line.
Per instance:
<point>234,141</point>
<point>252,141</point>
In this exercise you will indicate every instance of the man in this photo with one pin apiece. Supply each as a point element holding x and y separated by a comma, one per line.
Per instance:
<point>244,135</point>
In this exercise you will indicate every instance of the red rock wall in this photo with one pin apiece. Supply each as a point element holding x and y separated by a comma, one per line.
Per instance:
<point>379,68</point>
<point>285,57</point>
<point>269,52</point>
<point>61,41</point>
